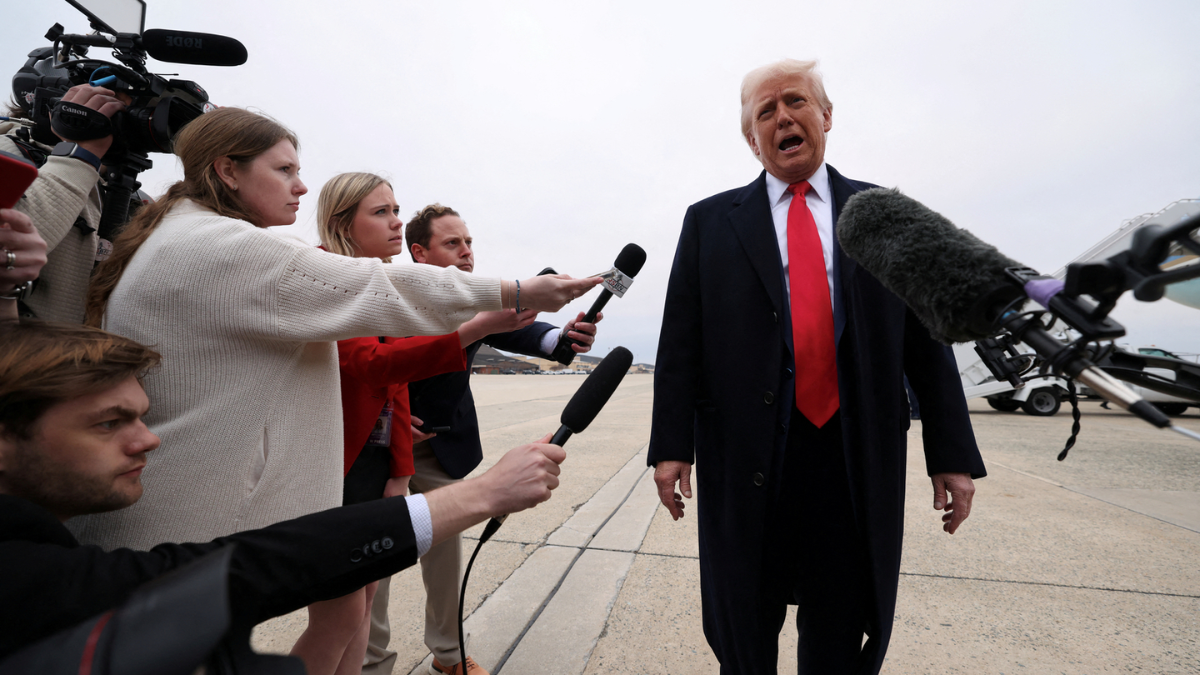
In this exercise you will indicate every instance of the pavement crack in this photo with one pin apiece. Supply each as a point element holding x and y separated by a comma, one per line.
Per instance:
<point>1051,584</point>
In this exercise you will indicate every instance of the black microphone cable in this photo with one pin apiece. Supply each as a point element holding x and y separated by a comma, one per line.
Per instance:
<point>583,407</point>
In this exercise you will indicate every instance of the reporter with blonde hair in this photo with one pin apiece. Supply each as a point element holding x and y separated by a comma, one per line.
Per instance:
<point>246,400</point>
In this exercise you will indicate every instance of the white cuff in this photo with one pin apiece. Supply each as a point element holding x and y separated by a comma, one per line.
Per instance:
<point>550,340</point>
<point>422,523</point>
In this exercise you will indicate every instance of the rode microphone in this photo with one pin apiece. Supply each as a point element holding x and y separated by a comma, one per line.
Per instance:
<point>963,289</point>
<point>200,49</point>
<point>616,282</point>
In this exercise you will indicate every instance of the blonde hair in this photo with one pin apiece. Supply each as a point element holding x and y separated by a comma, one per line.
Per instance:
<point>336,207</point>
<point>774,71</point>
<point>235,133</point>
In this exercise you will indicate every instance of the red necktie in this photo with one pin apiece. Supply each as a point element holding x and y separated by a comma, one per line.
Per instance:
<point>812,315</point>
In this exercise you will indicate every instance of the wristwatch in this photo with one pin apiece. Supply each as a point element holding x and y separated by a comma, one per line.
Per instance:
<point>19,293</point>
<point>72,149</point>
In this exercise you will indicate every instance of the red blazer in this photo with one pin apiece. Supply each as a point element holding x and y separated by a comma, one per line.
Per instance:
<point>374,372</point>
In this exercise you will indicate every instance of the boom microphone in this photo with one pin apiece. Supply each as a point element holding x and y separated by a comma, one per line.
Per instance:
<point>200,49</point>
<point>616,281</point>
<point>963,289</point>
<point>953,282</point>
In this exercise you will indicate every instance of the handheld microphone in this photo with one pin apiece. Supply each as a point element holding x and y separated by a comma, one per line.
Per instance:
<point>962,288</point>
<point>616,281</point>
<point>579,413</point>
<point>199,49</point>
<point>583,407</point>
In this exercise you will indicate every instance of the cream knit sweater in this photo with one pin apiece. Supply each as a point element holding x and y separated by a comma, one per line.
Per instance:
<point>247,398</point>
<point>65,190</point>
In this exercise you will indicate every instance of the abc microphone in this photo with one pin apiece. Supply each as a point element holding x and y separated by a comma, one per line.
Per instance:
<point>616,282</point>
<point>962,288</point>
<point>200,49</point>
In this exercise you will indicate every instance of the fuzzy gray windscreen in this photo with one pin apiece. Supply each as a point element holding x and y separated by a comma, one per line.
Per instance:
<point>942,272</point>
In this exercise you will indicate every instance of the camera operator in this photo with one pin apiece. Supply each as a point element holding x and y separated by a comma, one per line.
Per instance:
<point>64,202</point>
<point>22,256</point>
<point>72,442</point>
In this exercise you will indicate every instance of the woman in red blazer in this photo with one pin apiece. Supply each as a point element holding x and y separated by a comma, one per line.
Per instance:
<point>357,216</point>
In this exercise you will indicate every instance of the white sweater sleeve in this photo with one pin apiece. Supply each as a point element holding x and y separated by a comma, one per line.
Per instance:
<point>325,296</point>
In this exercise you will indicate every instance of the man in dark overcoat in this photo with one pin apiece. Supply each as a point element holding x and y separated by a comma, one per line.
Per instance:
<point>789,398</point>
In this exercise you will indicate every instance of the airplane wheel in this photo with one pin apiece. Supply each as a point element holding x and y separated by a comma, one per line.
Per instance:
<point>1042,402</point>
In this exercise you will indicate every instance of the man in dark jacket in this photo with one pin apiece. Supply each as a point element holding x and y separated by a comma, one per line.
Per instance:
<point>789,397</point>
<point>72,442</point>
<point>437,235</point>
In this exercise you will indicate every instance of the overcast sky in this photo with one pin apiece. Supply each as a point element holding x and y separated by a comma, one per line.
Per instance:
<point>563,131</point>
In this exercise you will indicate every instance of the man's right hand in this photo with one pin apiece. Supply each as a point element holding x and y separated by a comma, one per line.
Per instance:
<point>102,100</point>
<point>523,478</point>
<point>666,474</point>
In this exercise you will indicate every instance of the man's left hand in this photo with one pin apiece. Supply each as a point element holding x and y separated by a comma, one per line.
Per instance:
<point>961,489</point>
<point>584,333</point>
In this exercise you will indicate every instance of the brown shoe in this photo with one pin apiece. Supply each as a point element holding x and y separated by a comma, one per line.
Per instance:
<point>457,669</point>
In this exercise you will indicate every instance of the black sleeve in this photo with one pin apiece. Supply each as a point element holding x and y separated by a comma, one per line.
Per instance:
<point>50,586</point>
<point>527,340</point>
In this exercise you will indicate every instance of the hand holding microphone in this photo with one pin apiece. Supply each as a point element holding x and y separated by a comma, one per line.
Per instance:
<point>616,281</point>
<point>549,292</point>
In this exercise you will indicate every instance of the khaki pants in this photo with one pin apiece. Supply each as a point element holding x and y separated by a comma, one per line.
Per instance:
<point>441,569</point>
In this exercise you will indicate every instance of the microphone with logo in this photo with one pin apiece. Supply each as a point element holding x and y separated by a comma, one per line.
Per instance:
<point>963,289</point>
<point>200,49</point>
<point>616,282</point>
<point>579,413</point>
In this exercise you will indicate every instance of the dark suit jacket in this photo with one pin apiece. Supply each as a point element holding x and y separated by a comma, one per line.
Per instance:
<point>723,398</point>
<point>445,400</point>
<point>52,583</point>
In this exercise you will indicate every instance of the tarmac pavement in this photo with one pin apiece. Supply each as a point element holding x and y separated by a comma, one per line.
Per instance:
<point>1082,566</point>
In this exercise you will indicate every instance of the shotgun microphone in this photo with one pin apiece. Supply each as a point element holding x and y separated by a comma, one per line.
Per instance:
<point>199,49</point>
<point>964,289</point>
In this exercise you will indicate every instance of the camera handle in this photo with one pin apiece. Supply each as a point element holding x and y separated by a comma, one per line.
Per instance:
<point>122,184</point>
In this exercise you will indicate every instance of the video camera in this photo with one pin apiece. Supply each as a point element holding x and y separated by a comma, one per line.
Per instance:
<point>160,107</point>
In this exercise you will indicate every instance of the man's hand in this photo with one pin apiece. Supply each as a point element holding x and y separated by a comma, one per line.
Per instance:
<point>18,236</point>
<point>583,332</point>
<point>419,435</point>
<point>396,487</point>
<point>961,489</point>
<point>666,473</point>
<point>523,478</point>
<point>484,324</point>
<point>104,101</point>
<point>551,292</point>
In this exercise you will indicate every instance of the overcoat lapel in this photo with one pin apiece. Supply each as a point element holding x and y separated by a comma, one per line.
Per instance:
<point>843,265</point>
<point>751,221</point>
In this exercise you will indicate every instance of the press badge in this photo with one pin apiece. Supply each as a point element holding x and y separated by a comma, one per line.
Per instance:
<point>382,433</point>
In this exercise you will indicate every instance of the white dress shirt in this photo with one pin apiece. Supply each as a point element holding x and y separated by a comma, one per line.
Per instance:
<point>820,202</point>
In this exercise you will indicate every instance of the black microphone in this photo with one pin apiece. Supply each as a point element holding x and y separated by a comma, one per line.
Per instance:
<point>579,413</point>
<point>583,406</point>
<point>199,49</point>
<point>627,266</point>
<point>960,286</point>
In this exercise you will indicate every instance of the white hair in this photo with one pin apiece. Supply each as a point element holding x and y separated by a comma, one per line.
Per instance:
<point>778,70</point>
